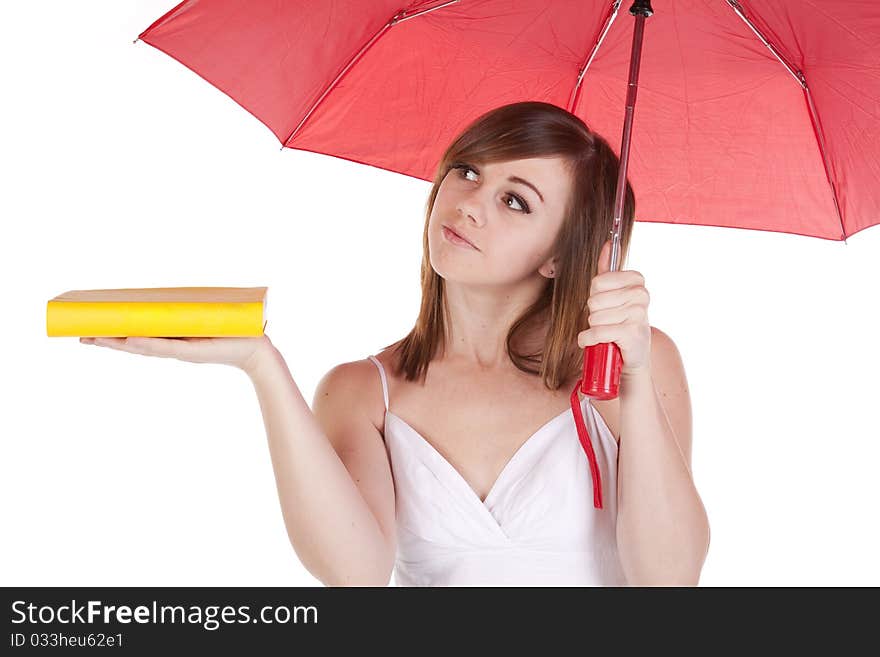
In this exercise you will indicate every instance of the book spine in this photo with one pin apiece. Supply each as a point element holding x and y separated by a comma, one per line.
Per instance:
<point>153,319</point>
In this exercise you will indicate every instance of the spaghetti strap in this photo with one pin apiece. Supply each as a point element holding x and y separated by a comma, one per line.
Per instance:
<point>384,381</point>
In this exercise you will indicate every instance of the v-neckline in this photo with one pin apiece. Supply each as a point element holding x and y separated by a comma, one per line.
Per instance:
<point>511,462</point>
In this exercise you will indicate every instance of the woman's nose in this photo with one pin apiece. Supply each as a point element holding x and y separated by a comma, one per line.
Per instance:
<point>469,209</point>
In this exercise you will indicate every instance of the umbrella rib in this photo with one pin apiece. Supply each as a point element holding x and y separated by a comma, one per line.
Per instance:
<point>739,12</point>
<point>820,138</point>
<point>403,16</point>
<point>161,19</point>
<point>397,18</point>
<point>811,109</point>
<point>576,90</point>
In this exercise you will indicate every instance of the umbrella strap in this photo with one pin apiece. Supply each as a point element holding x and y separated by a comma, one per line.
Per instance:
<point>584,437</point>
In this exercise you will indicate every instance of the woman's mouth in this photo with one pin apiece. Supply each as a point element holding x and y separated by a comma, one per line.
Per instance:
<point>453,237</point>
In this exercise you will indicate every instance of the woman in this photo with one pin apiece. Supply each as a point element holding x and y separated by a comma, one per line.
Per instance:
<point>485,481</point>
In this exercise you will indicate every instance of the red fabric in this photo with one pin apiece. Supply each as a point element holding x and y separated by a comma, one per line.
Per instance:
<point>584,437</point>
<point>723,134</point>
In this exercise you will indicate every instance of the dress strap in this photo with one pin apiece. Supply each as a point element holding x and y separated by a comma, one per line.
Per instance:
<point>384,380</point>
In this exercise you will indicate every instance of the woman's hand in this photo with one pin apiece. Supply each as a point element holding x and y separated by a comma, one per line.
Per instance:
<point>243,353</point>
<point>618,306</point>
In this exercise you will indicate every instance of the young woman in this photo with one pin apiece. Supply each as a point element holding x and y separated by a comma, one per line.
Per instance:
<point>477,476</point>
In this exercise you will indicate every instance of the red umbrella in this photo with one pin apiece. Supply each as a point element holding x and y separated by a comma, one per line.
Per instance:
<point>751,115</point>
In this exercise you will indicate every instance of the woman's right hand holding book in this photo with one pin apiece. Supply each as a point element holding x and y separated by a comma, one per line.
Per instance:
<point>244,353</point>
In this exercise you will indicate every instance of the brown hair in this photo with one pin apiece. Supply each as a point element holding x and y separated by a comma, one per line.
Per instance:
<point>517,131</point>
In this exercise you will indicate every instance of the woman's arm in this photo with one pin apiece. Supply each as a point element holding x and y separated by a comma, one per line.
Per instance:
<point>333,530</point>
<point>662,526</point>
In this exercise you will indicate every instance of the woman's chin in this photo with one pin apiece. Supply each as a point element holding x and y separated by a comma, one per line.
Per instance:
<point>450,273</point>
<point>455,265</point>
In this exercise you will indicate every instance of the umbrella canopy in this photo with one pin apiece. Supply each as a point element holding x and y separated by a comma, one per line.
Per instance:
<point>760,115</point>
<point>746,120</point>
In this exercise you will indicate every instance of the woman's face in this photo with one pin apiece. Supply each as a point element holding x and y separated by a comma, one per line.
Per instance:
<point>512,223</point>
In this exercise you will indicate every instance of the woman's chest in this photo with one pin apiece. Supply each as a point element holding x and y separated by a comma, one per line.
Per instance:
<point>477,425</point>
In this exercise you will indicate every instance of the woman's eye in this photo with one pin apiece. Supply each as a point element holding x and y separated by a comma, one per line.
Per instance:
<point>464,169</point>
<point>523,206</point>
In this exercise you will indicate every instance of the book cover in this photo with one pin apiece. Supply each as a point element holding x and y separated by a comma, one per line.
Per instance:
<point>158,312</point>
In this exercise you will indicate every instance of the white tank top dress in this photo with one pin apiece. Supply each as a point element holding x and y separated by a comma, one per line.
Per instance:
<point>541,524</point>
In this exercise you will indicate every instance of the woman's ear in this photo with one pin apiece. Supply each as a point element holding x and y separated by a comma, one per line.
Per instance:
<point>549,268</point>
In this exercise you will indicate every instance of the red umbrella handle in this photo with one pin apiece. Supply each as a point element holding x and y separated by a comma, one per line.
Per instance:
<point>601,373</point>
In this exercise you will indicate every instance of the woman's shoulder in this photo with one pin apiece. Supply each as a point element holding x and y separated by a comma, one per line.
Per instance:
<point>359,382</point>
<point>364,370</point>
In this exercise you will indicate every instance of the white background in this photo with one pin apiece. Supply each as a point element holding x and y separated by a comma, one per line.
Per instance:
<point>122,168</point>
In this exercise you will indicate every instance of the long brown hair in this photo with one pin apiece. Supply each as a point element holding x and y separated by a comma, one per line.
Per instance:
<point>518,131</point>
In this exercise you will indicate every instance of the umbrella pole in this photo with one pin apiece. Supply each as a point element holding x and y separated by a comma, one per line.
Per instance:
<point>602,362</point>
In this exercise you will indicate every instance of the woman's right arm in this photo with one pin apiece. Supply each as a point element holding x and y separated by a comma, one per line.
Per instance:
<point>338,536</point>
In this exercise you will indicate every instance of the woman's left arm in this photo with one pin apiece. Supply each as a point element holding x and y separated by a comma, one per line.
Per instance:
<point>662,525</point>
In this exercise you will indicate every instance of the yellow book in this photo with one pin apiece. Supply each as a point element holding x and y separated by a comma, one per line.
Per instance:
<point>158,312</point>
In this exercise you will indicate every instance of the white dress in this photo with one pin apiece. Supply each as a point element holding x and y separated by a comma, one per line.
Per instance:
<point>537,526</point>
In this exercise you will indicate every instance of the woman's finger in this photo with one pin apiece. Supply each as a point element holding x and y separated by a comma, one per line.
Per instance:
<point>236,351</point>
<point>618,315</point>
<point>113,343</point>
<point>622,334</point>
<point>614,279</point>
<point>618,297</point>
<point>162,347</point>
